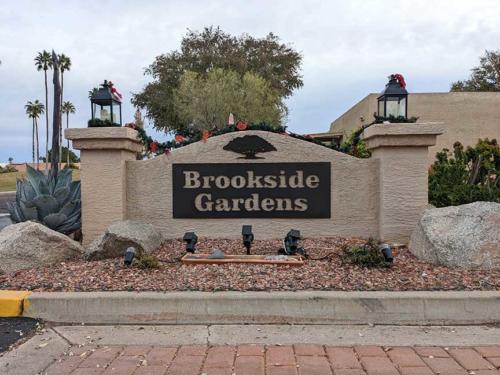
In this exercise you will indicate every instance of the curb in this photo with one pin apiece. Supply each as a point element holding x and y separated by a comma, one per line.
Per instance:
<point>304,307</point>
<point>11,302</point>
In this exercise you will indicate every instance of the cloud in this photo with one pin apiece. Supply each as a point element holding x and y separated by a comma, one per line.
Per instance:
<point>349,48</point>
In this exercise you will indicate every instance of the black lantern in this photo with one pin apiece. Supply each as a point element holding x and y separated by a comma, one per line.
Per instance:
<point>393,102</point>
<point>106,106</point>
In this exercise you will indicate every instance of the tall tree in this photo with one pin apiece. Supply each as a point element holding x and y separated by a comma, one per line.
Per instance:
<point>205,102</point>
<point>64,65</point>
<point>201,52</point>
<point>56,123</point>
<point>43,62</point>
<point>67,108</point>
<point>34,110</point>
<point>485,77</point>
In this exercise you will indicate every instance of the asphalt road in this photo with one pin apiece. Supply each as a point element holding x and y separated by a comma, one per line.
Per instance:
<point>14,329</point>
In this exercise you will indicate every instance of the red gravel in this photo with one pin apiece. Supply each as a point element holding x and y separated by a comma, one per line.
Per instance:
<point>329,273</point>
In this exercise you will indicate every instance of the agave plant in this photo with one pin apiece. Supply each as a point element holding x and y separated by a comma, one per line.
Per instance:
<point>54,202</point>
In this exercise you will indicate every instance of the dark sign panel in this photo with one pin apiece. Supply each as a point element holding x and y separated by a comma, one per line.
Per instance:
<point>251,190</point>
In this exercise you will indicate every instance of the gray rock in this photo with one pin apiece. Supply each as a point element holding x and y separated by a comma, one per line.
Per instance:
<point>465,236</point>
<point>30,244</point>
<point>145,238</point>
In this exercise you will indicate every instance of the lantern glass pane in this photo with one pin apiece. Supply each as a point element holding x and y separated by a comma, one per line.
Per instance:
<point>392,108</point>
<point>402,107</point>
<point>381,108</point>
<point>104,113</point>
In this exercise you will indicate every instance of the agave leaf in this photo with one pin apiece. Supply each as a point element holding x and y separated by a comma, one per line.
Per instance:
<point>15,212</point>
<point>46,205</point>
<point>61,194</point>
<point>43,187</point>
<point>53,221</point>
<point>74,191</point>
<point>26,191</point>
<point>68,228</point>
<point>63,178</point>
<point>69,208</point>
<point>19,186</point>
<point>35,177</point>
<point>29,212</point>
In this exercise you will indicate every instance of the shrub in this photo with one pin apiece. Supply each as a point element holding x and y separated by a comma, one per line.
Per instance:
<point>466,175</point>
<point>8,169</point>
<point>366,255</point>
<point>147,261</point>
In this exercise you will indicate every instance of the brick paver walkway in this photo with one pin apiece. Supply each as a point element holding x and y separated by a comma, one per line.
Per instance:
<point>298,359</point>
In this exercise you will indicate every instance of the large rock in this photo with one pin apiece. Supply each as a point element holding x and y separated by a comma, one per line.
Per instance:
<point>465,236</point>
<point>113,243</point>
<point>30,244</point>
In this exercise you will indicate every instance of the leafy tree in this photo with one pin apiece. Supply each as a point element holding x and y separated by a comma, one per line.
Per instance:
<point>485,77</point>
<point>11,159</point>
<point>204,102</point>
<point>34,110</point>
<point>43,61</point>
<point>66,154</point>
<point>466,176</point>
<point>202,52</point>
<point>67,108</point>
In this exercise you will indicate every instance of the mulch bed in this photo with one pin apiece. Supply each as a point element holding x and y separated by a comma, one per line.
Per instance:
<point>324,270</point>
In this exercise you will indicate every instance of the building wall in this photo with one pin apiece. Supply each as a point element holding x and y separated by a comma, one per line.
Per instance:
<point>466,116</point>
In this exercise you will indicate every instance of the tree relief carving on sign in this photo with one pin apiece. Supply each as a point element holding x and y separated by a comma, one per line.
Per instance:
<point>249,146</point>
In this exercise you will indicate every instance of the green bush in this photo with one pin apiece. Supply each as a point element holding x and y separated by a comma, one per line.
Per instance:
<point>366,255</point>
<point>466,175</point>
<point>147,261</point>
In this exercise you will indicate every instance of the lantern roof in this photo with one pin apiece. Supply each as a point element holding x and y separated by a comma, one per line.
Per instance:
<point>393,88</point>
<point>103,96</point>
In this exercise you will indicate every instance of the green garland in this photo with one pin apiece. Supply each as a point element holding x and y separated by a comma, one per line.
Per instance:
<point>187,136</point>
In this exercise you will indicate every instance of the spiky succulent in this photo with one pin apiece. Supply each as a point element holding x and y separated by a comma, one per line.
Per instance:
<point>54,202</point>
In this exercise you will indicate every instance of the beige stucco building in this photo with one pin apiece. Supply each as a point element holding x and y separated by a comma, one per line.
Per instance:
<point>466,117</point>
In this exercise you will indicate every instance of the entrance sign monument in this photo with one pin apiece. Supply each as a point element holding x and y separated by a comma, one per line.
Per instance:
<point>271,181</point>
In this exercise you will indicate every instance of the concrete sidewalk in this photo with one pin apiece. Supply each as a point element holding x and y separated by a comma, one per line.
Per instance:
<point>301,307</point>
<point>258,350</point>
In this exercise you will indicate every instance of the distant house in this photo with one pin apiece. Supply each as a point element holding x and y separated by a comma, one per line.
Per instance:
<point>466,117</point>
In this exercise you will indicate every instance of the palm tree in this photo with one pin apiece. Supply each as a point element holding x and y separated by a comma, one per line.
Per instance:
<point>43,61</point>
<point>64,65</point>
<point>34,110</point>
<point>67,108</point>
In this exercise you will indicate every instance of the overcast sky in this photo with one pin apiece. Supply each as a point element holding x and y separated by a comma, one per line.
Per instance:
<point>349,48</point>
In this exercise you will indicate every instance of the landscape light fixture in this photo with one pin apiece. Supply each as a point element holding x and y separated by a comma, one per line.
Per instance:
<point>387,253</point>
<point>129,256</point>
<point>190,238</point>
<point>393,102</point>
<point>291,243</point>
<point>246,232</point>
<point>110,106</point>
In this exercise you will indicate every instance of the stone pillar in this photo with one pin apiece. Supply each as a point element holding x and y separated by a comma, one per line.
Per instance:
<point>403,171</point>
<point>104,152</point>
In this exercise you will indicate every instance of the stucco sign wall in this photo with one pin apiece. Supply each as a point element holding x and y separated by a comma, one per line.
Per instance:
<point>271,181</point>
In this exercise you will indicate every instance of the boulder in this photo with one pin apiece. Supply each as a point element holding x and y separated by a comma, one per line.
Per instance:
<point>113,243</point>
<point>465,236</point>
<point>30,244</point>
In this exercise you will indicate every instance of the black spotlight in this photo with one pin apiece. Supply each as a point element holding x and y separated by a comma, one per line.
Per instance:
<point>246,232</point>
<point>387,253</point>
<point>129,256</point>
<point>291,243</point>
<point>190,238</point>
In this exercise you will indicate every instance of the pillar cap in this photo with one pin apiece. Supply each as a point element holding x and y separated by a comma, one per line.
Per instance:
<point>402,135</point>
<point>105,138</point>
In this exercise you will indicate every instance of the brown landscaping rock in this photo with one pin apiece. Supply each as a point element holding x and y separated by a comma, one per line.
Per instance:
<point>31,245</point>
<point>466,236</point>
<point>113,243</point>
